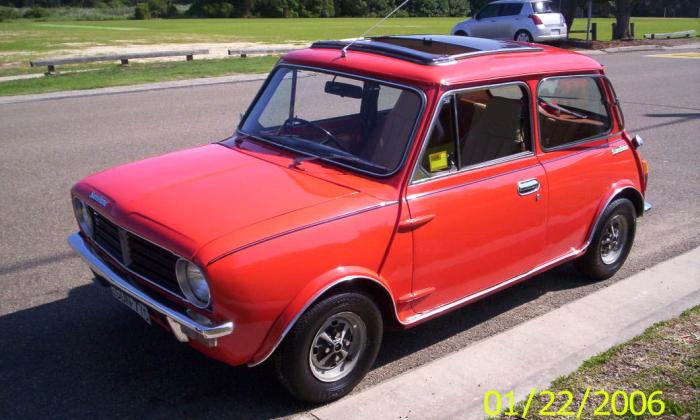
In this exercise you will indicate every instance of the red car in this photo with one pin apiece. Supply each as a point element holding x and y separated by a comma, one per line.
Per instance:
<point>369,185</point>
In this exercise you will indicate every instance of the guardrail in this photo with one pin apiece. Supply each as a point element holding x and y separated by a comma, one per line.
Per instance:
<point>123,58</point>
<point>671,35</point>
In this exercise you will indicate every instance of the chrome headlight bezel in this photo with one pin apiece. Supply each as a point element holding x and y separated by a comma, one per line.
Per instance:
<point>199,293</point>
<point>83,216</point>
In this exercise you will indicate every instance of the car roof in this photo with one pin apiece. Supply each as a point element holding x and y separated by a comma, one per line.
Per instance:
<point>440,59</point>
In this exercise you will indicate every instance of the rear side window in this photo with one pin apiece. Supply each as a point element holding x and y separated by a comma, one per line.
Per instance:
<point>571,110</point>
<point>477,127</point>
<point>511,9</point>
<point>543,7</point>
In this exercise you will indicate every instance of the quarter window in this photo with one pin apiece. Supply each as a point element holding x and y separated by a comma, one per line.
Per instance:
<point>477,127</point>
<point>570,110</point>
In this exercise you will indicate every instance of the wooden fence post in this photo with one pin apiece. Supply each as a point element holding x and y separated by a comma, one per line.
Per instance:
<point>594,31</point>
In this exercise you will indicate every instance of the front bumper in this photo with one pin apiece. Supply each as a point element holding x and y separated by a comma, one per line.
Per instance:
<point>183,327</point>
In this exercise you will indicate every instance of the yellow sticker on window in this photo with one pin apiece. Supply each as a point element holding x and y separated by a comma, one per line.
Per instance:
<point>438,161</point>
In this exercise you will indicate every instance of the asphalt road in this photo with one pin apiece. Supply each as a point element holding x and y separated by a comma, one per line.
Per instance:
<point>68,350</point>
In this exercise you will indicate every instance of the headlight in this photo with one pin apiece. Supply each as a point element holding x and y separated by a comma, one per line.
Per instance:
<point>82,214</point>
<point>193,283</point>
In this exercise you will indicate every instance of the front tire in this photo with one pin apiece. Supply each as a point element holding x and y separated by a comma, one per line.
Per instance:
<point>612,241</point>
<point>461,33</point>
<point>523,36</point>
<point>330,348</point>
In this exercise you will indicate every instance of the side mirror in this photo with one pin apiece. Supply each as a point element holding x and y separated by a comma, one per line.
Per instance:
<point>637,141</point>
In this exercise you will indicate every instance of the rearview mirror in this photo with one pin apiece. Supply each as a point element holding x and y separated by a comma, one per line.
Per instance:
<point>344,90</point>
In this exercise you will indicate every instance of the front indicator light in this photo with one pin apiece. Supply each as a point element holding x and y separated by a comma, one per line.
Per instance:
<point>193,283</point>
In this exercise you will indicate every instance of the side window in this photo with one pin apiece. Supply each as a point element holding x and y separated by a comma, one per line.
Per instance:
<point>511,9</point>
<point>493,123</point>
<point>476,127</point>
<point>489,11</point>
<point>439,155</point>
<point>571,109</point>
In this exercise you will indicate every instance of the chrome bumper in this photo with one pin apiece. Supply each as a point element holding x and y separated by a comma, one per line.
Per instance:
<point>182,326</point>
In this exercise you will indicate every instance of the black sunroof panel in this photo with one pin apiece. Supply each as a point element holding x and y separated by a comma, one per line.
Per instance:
<point>428,49</point>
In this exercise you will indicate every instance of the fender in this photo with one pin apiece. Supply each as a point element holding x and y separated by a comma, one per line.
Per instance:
<point>622,187</point>
<point>305,299</point>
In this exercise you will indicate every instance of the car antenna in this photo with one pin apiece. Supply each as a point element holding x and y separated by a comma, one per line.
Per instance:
<point>344,51</point>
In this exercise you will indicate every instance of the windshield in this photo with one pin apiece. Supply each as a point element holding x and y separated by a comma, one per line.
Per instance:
<point>359,123</point>
<point>544,7</point>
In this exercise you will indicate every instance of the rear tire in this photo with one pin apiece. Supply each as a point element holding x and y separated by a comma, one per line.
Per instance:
<point>330,348</point>
<point>523,36</point>
<point>612,241</point>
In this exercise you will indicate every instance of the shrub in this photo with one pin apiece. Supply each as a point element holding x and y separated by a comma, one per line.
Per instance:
<point>36,13</point>
<point>8,13</point>
<point>141,11</point>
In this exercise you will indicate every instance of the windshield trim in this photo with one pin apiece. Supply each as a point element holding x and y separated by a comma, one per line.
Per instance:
<point>409,143</point>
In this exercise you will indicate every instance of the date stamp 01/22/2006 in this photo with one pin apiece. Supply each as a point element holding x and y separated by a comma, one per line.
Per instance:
<point>548,403</point>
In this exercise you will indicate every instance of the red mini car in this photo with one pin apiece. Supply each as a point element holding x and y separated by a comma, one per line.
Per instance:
<point>370,184</point>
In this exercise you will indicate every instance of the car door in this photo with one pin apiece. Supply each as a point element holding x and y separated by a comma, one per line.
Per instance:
<point>483,25</point>
<point>478,197</point>
<point>574,129</point>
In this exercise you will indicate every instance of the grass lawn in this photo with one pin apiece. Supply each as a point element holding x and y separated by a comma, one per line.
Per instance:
<point>666,358</point>
<point>24,40</point>
<point>137,73</point>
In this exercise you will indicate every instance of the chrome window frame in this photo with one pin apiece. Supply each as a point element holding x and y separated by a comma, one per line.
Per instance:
<point>591,139</point>
<point>426,138</point>
<point>411,138</point>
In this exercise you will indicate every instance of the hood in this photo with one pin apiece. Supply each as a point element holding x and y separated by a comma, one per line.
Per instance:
<point>186,199</point>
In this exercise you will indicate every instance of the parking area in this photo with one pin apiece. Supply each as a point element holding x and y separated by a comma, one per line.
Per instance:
<point>69,350</point>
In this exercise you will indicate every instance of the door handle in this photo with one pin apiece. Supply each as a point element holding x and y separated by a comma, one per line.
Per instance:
<point>409,225</point>
<point>528,186</point>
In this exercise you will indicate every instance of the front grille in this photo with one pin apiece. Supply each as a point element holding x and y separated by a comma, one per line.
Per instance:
<point>138,255</point>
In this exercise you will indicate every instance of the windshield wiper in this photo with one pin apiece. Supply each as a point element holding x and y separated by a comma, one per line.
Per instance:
<point>564,110</point>
<point>298,160</point>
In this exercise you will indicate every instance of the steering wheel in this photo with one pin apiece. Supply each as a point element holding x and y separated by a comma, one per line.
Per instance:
<point>330,138</point>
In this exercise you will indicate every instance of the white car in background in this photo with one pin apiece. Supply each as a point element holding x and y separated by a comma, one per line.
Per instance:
<point>520,20</point>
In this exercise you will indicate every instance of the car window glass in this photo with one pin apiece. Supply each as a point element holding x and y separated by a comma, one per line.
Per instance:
<point>493,123</point>
<point>312,105</point>
<point>351,121</point>
<point>490,124</point>
<point>439,155</point>
<point>489,11</point>
<point>570,110</point>
<point>543,7</point>
<point>511,9</point>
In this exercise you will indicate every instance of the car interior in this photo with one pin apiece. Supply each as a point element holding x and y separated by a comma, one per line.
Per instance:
<point>570,110</point>
<point>490,124</point>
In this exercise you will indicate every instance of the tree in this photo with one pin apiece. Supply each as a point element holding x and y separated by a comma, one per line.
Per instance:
<point>623,11</point>
<point>569,11</point>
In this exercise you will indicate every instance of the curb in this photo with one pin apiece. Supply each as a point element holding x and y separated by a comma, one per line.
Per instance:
<point>205,81</point>
<point>531,354</point>
<point>635,48</point>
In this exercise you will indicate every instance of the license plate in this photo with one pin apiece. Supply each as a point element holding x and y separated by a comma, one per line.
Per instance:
<point>556,31</point>
<point>132,303</point>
